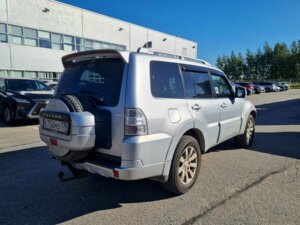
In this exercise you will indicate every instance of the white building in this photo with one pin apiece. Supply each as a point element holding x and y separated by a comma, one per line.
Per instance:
<point>35,34</point>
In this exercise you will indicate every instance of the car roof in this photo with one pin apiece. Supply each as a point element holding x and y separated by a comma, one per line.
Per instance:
<point>125,55</point>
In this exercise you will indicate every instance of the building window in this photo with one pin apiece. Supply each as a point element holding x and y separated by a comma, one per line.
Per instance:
<point>44,35</point>
<point>3,73</point>
<point>15,40</point>
<point>44,39</point>
<point>69,43</point>
<point>3,28</point>
<point>38,38</point>
<point>3,38</point>
<point>16,74</point>
<point>30,37</point>
<point>88,44</point>
<point>30,42</point>
<point>15,30</point>
<point>3,31</point>
<point>57,41</point>
<point>97,45</point>
<point>15,34</point>
<point>30,74</point>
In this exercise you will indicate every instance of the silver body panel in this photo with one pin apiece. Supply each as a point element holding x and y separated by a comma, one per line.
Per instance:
<point>167,119</point>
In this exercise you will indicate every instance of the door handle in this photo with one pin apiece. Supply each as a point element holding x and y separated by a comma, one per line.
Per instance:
<point>223,105</point>
<point>196,107</point>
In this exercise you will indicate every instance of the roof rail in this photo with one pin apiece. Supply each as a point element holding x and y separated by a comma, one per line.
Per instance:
<point>171,55</point>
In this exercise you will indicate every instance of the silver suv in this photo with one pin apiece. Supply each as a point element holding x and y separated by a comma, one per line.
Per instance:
<point>135,115</point>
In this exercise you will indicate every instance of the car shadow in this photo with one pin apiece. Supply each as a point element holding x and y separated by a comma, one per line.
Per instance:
<point>284,144</point>
<point>20,123</point>
<point>279,113</point>
<point>31,192</point>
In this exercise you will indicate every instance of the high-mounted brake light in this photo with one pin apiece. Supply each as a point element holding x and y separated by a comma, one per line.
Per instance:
<point>135,122</point>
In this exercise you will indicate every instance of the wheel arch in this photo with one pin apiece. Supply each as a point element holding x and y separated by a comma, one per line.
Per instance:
<point>186,129</point>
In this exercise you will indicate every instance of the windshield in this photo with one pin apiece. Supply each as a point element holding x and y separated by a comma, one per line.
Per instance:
<point>99,79</point>
<point>26,85</point>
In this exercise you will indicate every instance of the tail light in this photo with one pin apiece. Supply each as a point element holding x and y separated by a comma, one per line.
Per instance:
<point>135,122</point>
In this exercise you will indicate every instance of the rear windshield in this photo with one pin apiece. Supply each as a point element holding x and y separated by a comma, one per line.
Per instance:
<point>99,79</point>
<point>26,85</point>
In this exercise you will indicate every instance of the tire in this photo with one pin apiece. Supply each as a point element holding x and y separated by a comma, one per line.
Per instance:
<point>75,105</point>
<point>185,166</point>
<point>245,140</point>
<point>268,90</point>
<point>7,115</point>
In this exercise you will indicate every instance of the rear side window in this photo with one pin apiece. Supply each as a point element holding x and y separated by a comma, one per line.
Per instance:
<point>197,84</point>
<point>98,79</point>
<point>166,80</point>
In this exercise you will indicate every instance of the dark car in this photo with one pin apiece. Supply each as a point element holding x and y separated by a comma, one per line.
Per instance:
<point>22,98</point>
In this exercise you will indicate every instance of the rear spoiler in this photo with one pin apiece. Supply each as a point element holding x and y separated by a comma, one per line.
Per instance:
<point>104,53</point>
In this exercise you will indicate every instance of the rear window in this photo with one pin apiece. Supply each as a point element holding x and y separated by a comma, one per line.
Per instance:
<point>166,80</point>
<point>99,79</point>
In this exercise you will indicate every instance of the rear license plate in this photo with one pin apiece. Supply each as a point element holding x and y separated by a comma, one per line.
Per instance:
<point>56,126</point>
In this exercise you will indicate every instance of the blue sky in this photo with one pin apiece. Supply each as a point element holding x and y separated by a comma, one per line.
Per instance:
<point>219,27</point>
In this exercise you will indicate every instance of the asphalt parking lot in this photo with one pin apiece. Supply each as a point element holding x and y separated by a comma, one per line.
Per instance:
<point>260,185</point>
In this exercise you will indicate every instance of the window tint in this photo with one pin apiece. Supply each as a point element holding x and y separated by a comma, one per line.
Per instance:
<point>166,80</point>
<point>197,85</point>
<point>220,86</point>
<point>26,85</point>
<point>99,79</point>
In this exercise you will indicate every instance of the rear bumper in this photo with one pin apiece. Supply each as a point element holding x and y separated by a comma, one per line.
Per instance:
<point>134,173</point>
<point>142,157</point>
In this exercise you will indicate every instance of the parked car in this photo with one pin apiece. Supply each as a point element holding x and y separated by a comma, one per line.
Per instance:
<point>283,85</point>
<point>136,115</point>
<point>250,88</point>
<point>22,98</point>
<point>286,85</point>
<point>269,87</point>
<point>258,89</point>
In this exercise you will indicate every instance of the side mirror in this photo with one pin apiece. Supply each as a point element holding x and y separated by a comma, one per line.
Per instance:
<point>240,93</point>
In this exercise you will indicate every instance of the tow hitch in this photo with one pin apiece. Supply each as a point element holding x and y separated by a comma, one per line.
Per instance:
<point>77,174</point>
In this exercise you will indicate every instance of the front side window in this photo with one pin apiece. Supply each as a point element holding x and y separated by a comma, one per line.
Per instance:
<point>166,80</point>
<point>221,86</point>
<point>98,79</point>
<point>197,84</point>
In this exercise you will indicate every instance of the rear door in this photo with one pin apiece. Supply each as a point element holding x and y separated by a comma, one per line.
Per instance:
<point>230,107</point>
<point>203,107</point>
<point>99,80</point>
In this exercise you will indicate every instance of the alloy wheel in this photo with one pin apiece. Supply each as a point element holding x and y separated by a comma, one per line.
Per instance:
<point>188,165</point>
